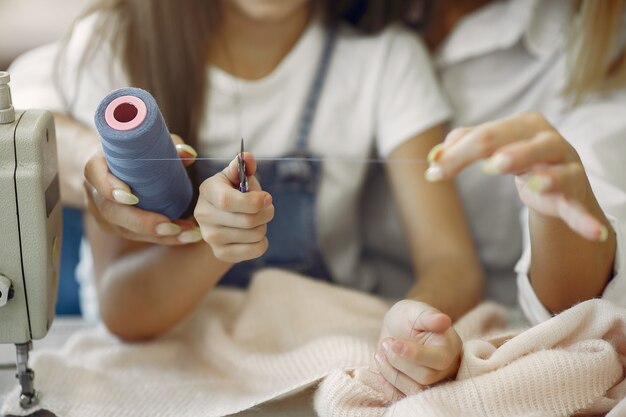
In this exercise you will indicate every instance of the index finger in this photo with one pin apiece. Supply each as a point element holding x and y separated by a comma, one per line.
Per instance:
<point>482,141</point>
<point>97,174</point>
<point>231,170</point>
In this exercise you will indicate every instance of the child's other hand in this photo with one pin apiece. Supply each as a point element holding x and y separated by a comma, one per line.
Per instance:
<point>233,223</point>
<point>418,347</point>
<point>111,203</point>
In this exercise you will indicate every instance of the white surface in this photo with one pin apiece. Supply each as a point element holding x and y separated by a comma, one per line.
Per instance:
<point>299,405</point>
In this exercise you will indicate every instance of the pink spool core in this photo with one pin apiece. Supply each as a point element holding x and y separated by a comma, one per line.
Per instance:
<point>125,113</point>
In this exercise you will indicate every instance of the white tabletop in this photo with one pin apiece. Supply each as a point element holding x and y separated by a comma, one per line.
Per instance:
<point>299,405</point>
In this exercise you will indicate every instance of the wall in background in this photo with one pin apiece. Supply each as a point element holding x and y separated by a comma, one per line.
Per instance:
<point>26,24</point>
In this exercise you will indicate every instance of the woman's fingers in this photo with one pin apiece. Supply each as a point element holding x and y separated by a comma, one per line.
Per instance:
<point>164,233</point>
<point>547,147</point>
<point>185,152</point>
<point>581,221</point>
<point>464,147</point>
<point>97,174</point>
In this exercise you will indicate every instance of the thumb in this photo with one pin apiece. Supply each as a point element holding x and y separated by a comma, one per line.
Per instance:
<point>433,321</point>
<point>232,172</point>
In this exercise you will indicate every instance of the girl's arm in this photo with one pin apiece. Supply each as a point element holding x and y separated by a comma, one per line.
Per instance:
<point>146,289</point>
<point>448,272</point>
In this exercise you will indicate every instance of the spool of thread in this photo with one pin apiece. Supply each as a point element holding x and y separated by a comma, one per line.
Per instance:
<point>140,152</point>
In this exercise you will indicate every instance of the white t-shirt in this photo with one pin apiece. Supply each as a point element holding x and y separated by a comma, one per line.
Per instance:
<point>380,91</point>
<point>505,58</point>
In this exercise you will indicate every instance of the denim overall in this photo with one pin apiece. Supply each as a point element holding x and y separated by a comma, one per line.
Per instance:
<point>293,184</point>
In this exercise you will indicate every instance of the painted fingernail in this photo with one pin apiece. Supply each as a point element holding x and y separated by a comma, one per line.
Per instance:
<point>604,233</point>
<point>183,147</point>
<point>435,153</point>
<point>124,197</point>
<point>190,236</point>
<point>434,173</point>
<point>497,164</point>
<point>539,183</point>
<point>168,229</point>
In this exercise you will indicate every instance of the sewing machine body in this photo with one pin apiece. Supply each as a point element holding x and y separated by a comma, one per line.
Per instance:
<point>30,225</point>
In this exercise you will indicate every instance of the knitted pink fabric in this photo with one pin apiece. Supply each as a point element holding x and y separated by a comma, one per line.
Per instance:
<point>286,333</point>
<point>573,363</point>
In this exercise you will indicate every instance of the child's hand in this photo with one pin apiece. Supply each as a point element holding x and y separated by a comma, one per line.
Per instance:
<point>111,203</point>
<point>233,223</point>
<point>417,347</point>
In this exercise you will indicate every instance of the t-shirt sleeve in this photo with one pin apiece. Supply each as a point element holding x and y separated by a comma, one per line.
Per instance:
<point>410,100</point>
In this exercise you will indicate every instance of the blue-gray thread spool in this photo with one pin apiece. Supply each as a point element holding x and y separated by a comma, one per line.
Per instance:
<point>140,152</point>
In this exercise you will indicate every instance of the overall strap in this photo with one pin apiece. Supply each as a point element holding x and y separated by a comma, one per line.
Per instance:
<point>310,106</point>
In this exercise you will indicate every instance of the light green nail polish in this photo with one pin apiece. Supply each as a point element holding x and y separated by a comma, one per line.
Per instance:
<point>187,149</point>
<point>124,197</point>
<point>489,168</point>
<point>539,183</point>
<point>497,164</point>
<point>168,229</point>
<point>604,233</point>
<point>435,153</point>
<point>190,236</point>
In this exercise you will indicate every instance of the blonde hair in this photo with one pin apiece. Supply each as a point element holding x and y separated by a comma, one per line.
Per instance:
<point>596,58</point>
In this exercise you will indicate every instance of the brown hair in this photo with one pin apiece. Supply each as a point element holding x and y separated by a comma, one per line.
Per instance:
<point>163,46</point>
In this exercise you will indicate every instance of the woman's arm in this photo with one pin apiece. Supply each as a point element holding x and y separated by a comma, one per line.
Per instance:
<point>572,243</point>
<point>448,273</point>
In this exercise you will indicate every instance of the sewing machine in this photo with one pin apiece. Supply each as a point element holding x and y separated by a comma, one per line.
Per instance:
<point>30,230</point>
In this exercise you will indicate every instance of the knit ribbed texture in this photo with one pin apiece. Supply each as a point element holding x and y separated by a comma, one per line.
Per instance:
<point>571,363</point>
<point>242,349</point>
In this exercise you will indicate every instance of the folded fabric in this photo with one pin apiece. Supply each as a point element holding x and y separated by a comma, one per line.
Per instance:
<point>571,364</point>
<point>287,332</point>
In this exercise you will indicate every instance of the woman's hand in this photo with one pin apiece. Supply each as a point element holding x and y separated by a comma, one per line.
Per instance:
<point>111,203</point>
<point>233,223</point>
<point>549,175</point>
<point>417,347</point>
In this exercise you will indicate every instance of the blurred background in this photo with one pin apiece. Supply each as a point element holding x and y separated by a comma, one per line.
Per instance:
<point>24,25</point>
